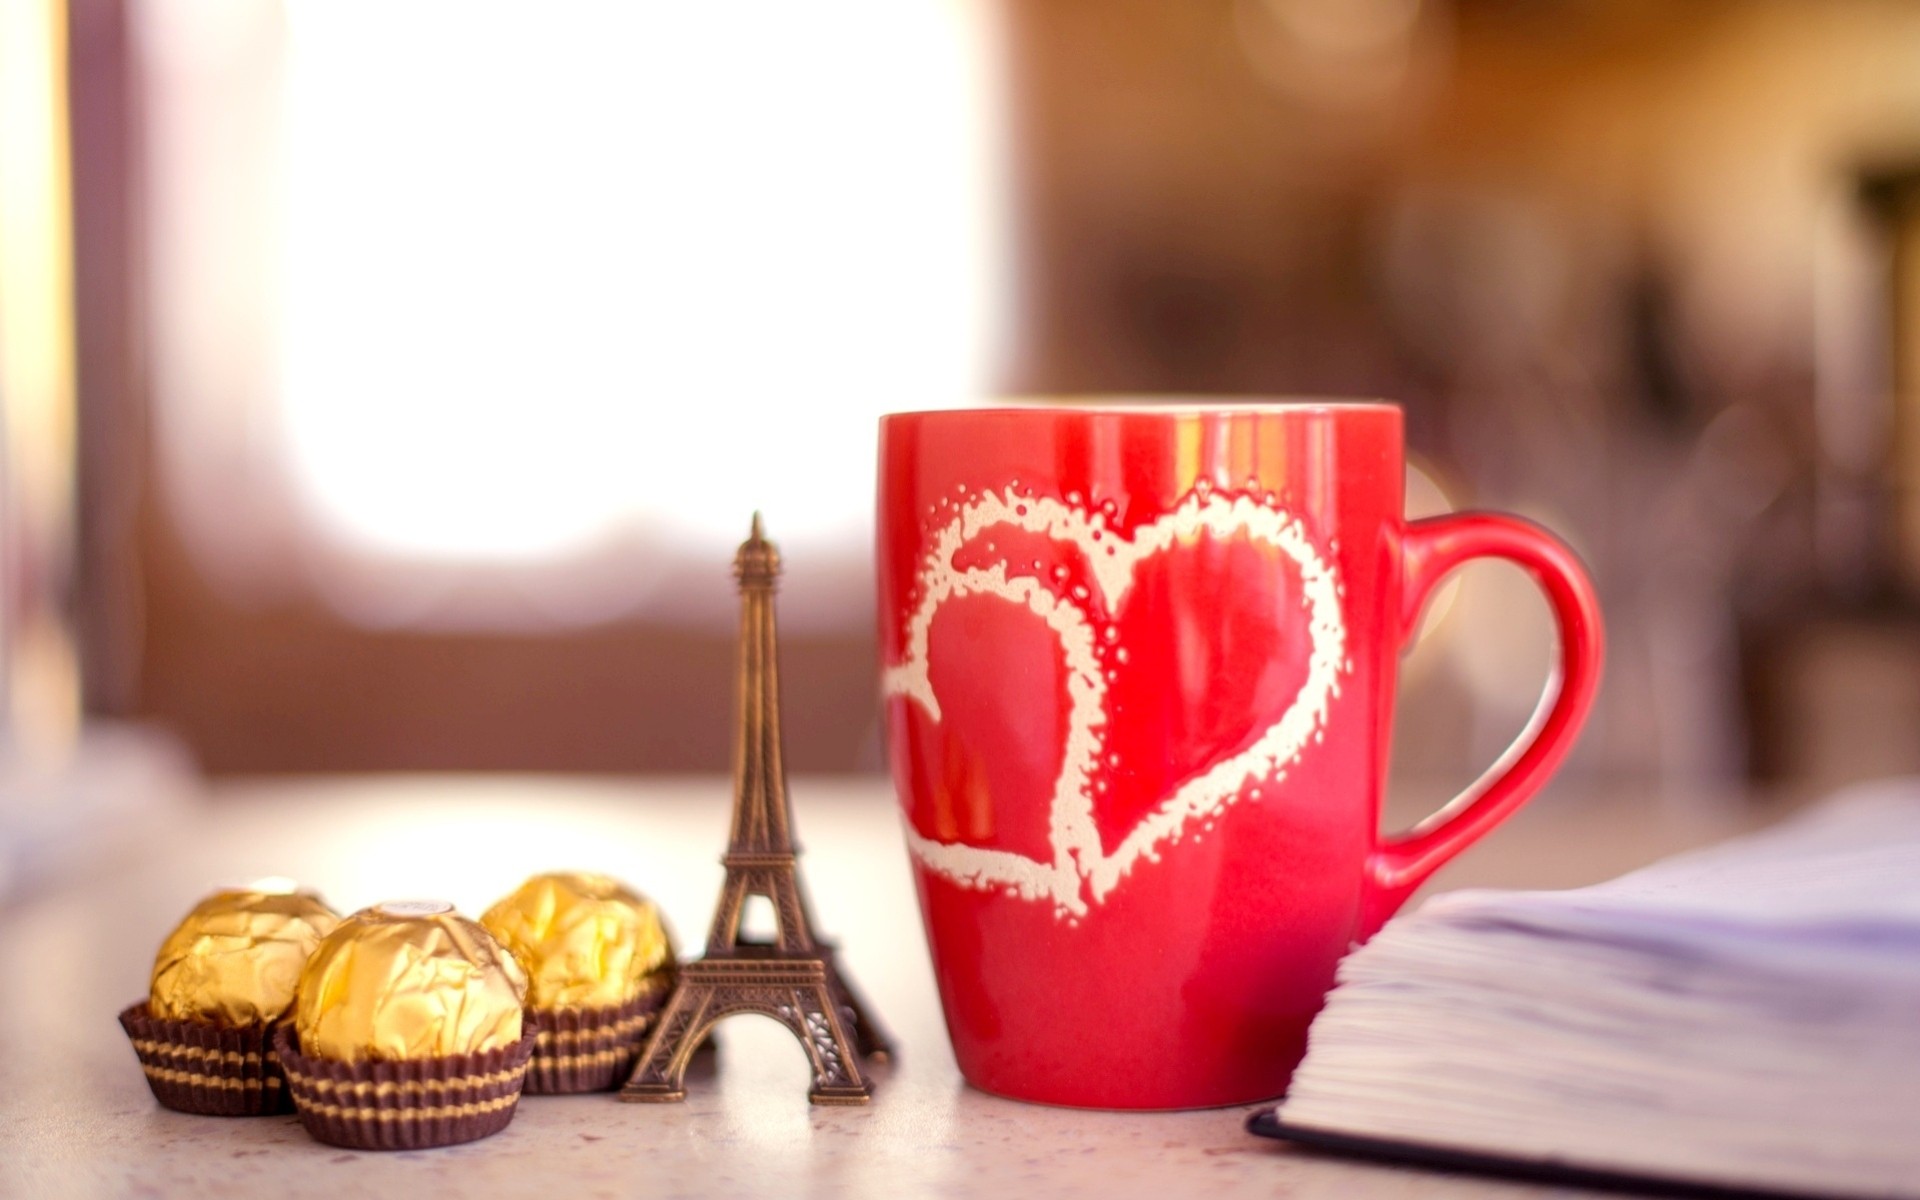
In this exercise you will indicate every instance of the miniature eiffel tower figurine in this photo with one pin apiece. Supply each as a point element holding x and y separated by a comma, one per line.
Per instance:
<point>793,979</point>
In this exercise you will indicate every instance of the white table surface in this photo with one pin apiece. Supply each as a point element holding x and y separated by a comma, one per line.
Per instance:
<point>76,1118</point>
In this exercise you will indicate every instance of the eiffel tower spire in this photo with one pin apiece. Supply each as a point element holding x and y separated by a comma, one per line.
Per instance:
<point>760,854</point>
<point>761,818</point>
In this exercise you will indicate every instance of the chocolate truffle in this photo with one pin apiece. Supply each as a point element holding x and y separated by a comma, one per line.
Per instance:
<point>408,1031</point>
<point>222,980</point>
<point>600,963</point>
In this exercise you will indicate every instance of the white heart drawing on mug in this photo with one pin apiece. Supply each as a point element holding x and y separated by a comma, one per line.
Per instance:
<point>1072,834</point>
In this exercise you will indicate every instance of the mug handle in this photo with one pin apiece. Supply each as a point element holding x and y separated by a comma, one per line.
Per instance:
<point>1429,549</point>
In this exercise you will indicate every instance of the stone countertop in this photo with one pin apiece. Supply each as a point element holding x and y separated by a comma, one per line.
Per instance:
<point>76,1118</point>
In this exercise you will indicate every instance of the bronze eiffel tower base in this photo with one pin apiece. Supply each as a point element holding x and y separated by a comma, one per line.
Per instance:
<point>803,992</point>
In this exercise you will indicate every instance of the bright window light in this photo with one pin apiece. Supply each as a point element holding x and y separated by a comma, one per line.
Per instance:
<point>493,315</point>
<point>558,274</point>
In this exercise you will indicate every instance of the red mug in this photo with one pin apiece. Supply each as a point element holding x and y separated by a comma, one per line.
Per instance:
<point>1139,668</point>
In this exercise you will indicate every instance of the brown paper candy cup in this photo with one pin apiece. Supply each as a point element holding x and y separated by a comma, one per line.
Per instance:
<point>407,1105</point>
<point>590,1049</point>
<point>207,1068</point>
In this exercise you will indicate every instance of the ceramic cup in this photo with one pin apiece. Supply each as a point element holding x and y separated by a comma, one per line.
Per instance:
<point>1139,666</point>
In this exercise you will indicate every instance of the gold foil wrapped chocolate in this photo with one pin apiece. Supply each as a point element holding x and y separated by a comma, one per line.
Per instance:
<point>586,940</point>
<point>236,958</point>
<point>408,981</point>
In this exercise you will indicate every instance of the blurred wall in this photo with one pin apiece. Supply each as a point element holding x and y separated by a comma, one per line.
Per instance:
<point>1613,258</point>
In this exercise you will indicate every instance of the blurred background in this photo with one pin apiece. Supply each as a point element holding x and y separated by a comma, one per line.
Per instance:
<point>386,385</point>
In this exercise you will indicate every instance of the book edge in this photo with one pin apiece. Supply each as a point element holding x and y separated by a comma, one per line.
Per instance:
<point>1267,1123</point>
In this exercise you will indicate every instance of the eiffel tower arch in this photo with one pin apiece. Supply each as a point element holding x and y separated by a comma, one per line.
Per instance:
<point>794,978</point>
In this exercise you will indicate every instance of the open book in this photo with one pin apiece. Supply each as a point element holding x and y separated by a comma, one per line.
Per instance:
<point>1744,1017</point>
